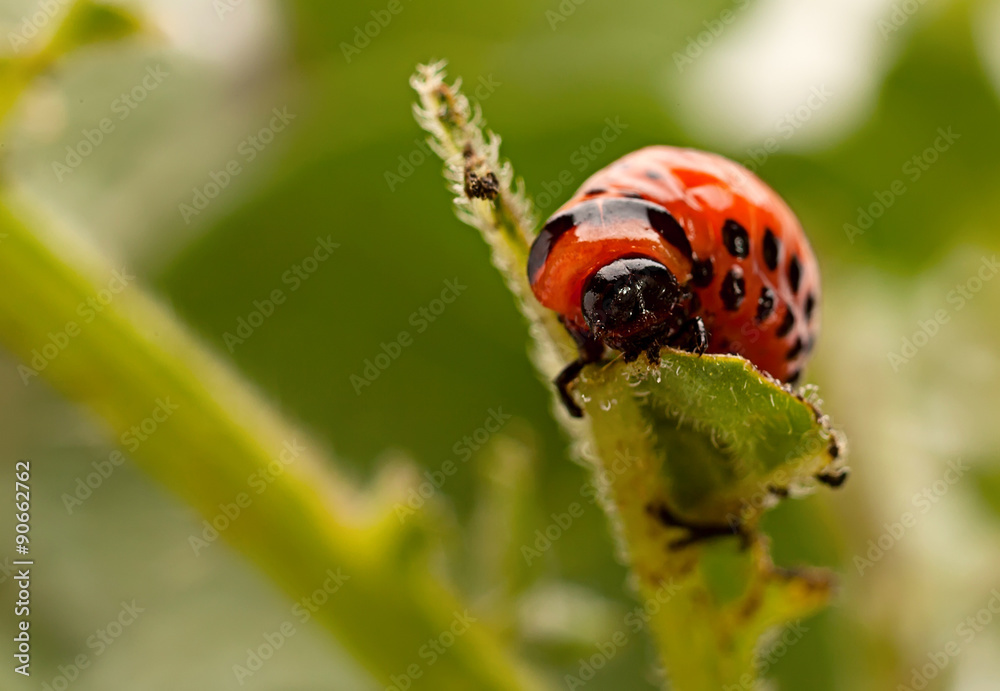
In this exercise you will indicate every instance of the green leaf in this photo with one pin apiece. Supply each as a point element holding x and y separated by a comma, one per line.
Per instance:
<point>726,433</point>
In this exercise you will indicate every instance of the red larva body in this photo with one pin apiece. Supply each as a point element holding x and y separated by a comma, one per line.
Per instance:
<point>737,252</point>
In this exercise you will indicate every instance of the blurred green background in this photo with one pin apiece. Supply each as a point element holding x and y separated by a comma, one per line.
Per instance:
<point>838,105</point>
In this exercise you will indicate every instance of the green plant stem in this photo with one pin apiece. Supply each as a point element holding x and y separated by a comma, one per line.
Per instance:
<point>131,356</point>
<point>506,219</point>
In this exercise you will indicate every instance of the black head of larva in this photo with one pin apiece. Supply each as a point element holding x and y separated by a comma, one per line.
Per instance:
<point>631,303</point>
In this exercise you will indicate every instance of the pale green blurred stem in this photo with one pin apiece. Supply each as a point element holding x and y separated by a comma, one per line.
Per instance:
<point>302,525</point>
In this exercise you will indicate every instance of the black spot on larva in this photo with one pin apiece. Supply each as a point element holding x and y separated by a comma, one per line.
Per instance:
<point>786,324</point>
<point>794,377</point>
<point>702,272</point>
<point>653,175</point>
<point>810,306</point>
<point>596,190</point>
<point>735,238</point>
<point>834,448</point>
<point>772,247</point>
<point>765,304</point>
<point>671,231</point>
<point>794,273</point>
<point>632,195</point>
<point>733,290</point>
<point>796,350</point>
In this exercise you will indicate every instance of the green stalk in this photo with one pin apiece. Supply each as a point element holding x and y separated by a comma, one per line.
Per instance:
<point>131,357</point>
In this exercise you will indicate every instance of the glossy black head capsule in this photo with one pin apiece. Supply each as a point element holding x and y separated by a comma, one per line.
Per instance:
<point>630,304</point>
